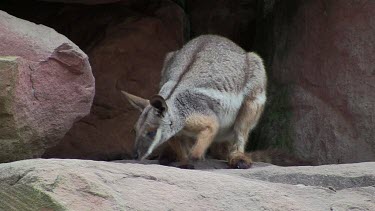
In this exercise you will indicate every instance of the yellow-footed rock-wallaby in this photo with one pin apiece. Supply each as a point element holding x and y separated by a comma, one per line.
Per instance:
<point>211,91</point>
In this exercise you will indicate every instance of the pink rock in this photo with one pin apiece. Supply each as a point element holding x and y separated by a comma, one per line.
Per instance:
<point>329,57</point>
<point>45,86</point>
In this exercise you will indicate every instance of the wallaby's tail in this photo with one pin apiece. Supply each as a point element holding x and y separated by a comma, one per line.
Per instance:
<point>277,157</point>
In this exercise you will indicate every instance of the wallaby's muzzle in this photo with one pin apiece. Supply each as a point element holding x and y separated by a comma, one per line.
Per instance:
<point>142,149</point>
<point>140,153</point>
<point>146,144</point>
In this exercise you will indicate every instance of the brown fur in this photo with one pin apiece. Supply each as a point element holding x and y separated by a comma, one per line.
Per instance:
<point>181,150</point>
<point>220,150</point>
<point>177,150</point>
<point>247,118</point>
<point>206,128</point>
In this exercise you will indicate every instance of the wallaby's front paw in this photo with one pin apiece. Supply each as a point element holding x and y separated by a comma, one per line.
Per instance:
<point>196,155</point>
<point>240,161</point>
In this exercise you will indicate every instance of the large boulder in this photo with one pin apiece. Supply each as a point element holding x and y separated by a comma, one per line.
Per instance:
<point>127,54</point>
<point>322,61</point>
<point>46,85</point>
<point>97,185</point>
<point>332,65</point>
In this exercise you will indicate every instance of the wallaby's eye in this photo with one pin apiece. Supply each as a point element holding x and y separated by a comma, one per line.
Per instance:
<point>151,134</point>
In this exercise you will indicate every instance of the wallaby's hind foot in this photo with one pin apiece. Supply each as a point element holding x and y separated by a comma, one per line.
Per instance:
<point>239,160</point>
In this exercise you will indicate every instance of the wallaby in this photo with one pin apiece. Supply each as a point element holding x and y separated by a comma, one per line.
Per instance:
<point>211,91</point>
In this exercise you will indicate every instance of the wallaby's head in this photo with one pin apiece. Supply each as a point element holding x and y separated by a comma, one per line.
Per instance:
<point>154,126</point>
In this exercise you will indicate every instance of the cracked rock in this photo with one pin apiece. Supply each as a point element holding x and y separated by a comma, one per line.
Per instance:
<point>97,185</point>
<point>46,84</point>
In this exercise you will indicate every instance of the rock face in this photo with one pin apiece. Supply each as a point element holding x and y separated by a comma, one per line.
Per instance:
<point>323,53</point>
<point>334,98</point>
<point>127,56</point>
<point>46,85</point>
<point>235,19</point>
<point>321,98</point>
<point>97,185</point>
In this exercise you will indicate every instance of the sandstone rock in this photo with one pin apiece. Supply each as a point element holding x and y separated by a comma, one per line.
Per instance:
<point>97,185</point>
<point>129,56</point>
<point>324,53</point>
<point>46,85</point>
<point>235,19</point>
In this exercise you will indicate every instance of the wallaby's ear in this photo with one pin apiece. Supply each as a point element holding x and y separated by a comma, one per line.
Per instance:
<point>159,104</point>
<point>137,102</point>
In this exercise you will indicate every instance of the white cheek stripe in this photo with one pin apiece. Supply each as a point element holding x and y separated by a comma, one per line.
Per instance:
<point>154,144</point>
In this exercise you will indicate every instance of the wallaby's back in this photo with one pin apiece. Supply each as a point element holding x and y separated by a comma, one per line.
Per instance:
<point>209,62</point>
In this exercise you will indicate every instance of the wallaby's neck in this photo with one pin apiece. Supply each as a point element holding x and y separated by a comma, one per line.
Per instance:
<point>178,121</point>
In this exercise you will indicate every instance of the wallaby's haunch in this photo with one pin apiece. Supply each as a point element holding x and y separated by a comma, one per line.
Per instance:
<point>211,91</point>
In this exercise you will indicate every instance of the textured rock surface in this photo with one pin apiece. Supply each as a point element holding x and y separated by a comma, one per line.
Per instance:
<point>128,56</point>
<point>318,54</point>
<point>94,185</point>
<point>334,97</point>
<point>323,56</point>
<point>46,85</point>
<point>235,19</point>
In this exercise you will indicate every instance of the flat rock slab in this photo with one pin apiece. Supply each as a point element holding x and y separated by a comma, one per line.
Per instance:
<point>96,185</point>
